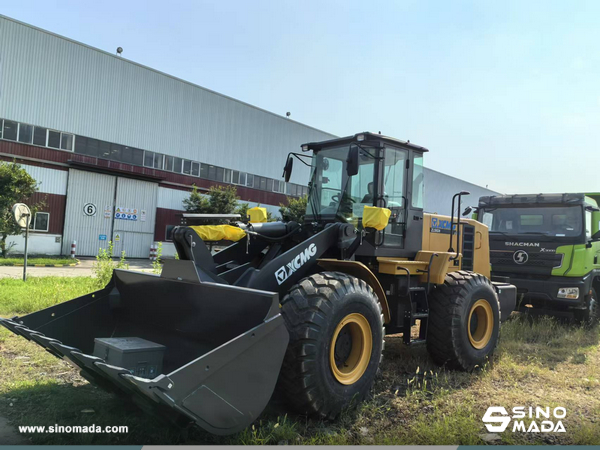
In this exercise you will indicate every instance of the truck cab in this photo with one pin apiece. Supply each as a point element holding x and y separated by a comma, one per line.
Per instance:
<point>548,245</point>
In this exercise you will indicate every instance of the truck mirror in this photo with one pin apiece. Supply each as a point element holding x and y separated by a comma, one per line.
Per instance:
<point>287,170</point>
<point>352,161</point>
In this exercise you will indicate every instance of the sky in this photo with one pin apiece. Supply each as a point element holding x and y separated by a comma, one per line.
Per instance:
<point>503,94</point>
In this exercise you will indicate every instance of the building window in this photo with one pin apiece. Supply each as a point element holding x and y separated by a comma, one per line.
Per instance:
<point>204,171</point>
<point>158,161</point>
<point>277,186</point>
<point>81,144</point>
<point>169,163</point>
<point>137,156</point>
<point>41,220</point>
<point>39,136</point>
<point>262,183</point>
<point>127,155</point>
<point>25,133</point>
<point>227,176</point>
<point>269,184</point>
<point>66,141</point>
<point>177,163</point>
<point>219,176</point>
<point>196,169</point>
<point>10,130</point>
<point>153,160</point>
<point>1,127</point>
<point>187,166</point>
<point>53,139</point>
<point>249,179</point>
<point>103,149</point>
<point>93,147</point>
<point>212,172</point>
<point>116,152</point>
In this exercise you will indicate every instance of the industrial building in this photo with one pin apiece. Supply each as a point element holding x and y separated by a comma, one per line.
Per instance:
<point>116,146</point>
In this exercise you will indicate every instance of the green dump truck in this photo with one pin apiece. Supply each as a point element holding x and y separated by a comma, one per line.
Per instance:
<point>548,245</point>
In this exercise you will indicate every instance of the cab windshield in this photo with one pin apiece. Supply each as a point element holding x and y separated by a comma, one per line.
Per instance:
<point>560,221</point>
<point>333,193</point>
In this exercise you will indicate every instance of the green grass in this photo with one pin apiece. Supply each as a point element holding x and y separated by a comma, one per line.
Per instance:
<point>544,363</point>
<point>18,297</point>
<point>61,261</point>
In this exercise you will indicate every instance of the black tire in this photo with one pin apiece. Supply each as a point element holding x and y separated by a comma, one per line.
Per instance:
<point>454,309</point>
<point>312,310</point>
<point>590,316</point>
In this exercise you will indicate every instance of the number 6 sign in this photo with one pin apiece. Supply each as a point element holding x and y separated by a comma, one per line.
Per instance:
<point>89,209</point>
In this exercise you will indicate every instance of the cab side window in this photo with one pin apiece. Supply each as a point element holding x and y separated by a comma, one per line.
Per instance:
<point>418,182</point>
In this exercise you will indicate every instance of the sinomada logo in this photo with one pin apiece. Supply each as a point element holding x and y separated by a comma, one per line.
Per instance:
<point>525,419</point>
<point>284,272</point>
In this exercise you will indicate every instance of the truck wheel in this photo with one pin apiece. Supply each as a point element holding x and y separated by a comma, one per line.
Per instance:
<point>590,316</point>
<point>336,341</point>
<point>464,321</point>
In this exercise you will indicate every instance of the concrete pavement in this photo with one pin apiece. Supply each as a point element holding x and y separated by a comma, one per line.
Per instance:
<point>84,269</point>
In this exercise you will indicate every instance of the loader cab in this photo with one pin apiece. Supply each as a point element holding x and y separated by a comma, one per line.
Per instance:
<point>369,169</point>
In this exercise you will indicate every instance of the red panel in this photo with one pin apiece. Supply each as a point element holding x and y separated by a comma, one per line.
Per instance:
<point>31,151</point>
<point>165,217</point>
<point>55,205</point>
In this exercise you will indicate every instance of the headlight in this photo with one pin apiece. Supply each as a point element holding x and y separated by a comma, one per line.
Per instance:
<point>571,293</point>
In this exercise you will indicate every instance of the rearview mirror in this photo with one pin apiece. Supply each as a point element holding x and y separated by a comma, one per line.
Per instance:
<point>352,161</point>
<point>287,170</point>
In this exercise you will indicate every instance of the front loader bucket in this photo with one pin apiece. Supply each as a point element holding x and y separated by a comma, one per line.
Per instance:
<point>224,345</point>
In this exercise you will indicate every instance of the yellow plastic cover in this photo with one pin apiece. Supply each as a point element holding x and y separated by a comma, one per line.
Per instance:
<point>375,217</point>
<point>257,214</point>
<point>219,232</point>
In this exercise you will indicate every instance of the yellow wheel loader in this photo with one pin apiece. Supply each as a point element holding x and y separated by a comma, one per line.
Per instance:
<point>303,305</point>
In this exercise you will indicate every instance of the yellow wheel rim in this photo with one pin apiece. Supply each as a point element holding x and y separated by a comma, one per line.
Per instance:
<point>350,348</point>
<point>480,324</point>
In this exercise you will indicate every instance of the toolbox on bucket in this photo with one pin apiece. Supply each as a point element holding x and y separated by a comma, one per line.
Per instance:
<point>141,357</point>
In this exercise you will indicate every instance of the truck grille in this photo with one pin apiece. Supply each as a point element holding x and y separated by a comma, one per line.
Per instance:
<point>545,260</point>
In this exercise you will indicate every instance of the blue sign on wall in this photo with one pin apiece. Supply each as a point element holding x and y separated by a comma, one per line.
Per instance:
<point>102,237</point>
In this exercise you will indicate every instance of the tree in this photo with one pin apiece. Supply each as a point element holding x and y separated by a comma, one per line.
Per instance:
<point>16,186</point>
<point>219,200</point>
<point>294,210</point>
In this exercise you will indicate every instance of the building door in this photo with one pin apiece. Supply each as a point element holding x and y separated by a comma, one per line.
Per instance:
<point>134,217</point>
<point>88,212</point>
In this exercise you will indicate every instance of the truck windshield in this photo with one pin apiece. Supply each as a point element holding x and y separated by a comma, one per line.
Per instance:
<point>559,221</point>
<point>333,193</point>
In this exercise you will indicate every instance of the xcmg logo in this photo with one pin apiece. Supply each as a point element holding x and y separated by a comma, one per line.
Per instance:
<point>540,420</point>
<point>284,272</point>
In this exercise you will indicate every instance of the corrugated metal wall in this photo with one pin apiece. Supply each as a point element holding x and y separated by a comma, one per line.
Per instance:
<point>439,189</point>
<point>171,198</point>
<point>88,187</point>
<point>136,235</point>
<point>54,82</point>
<point>50,181</point>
